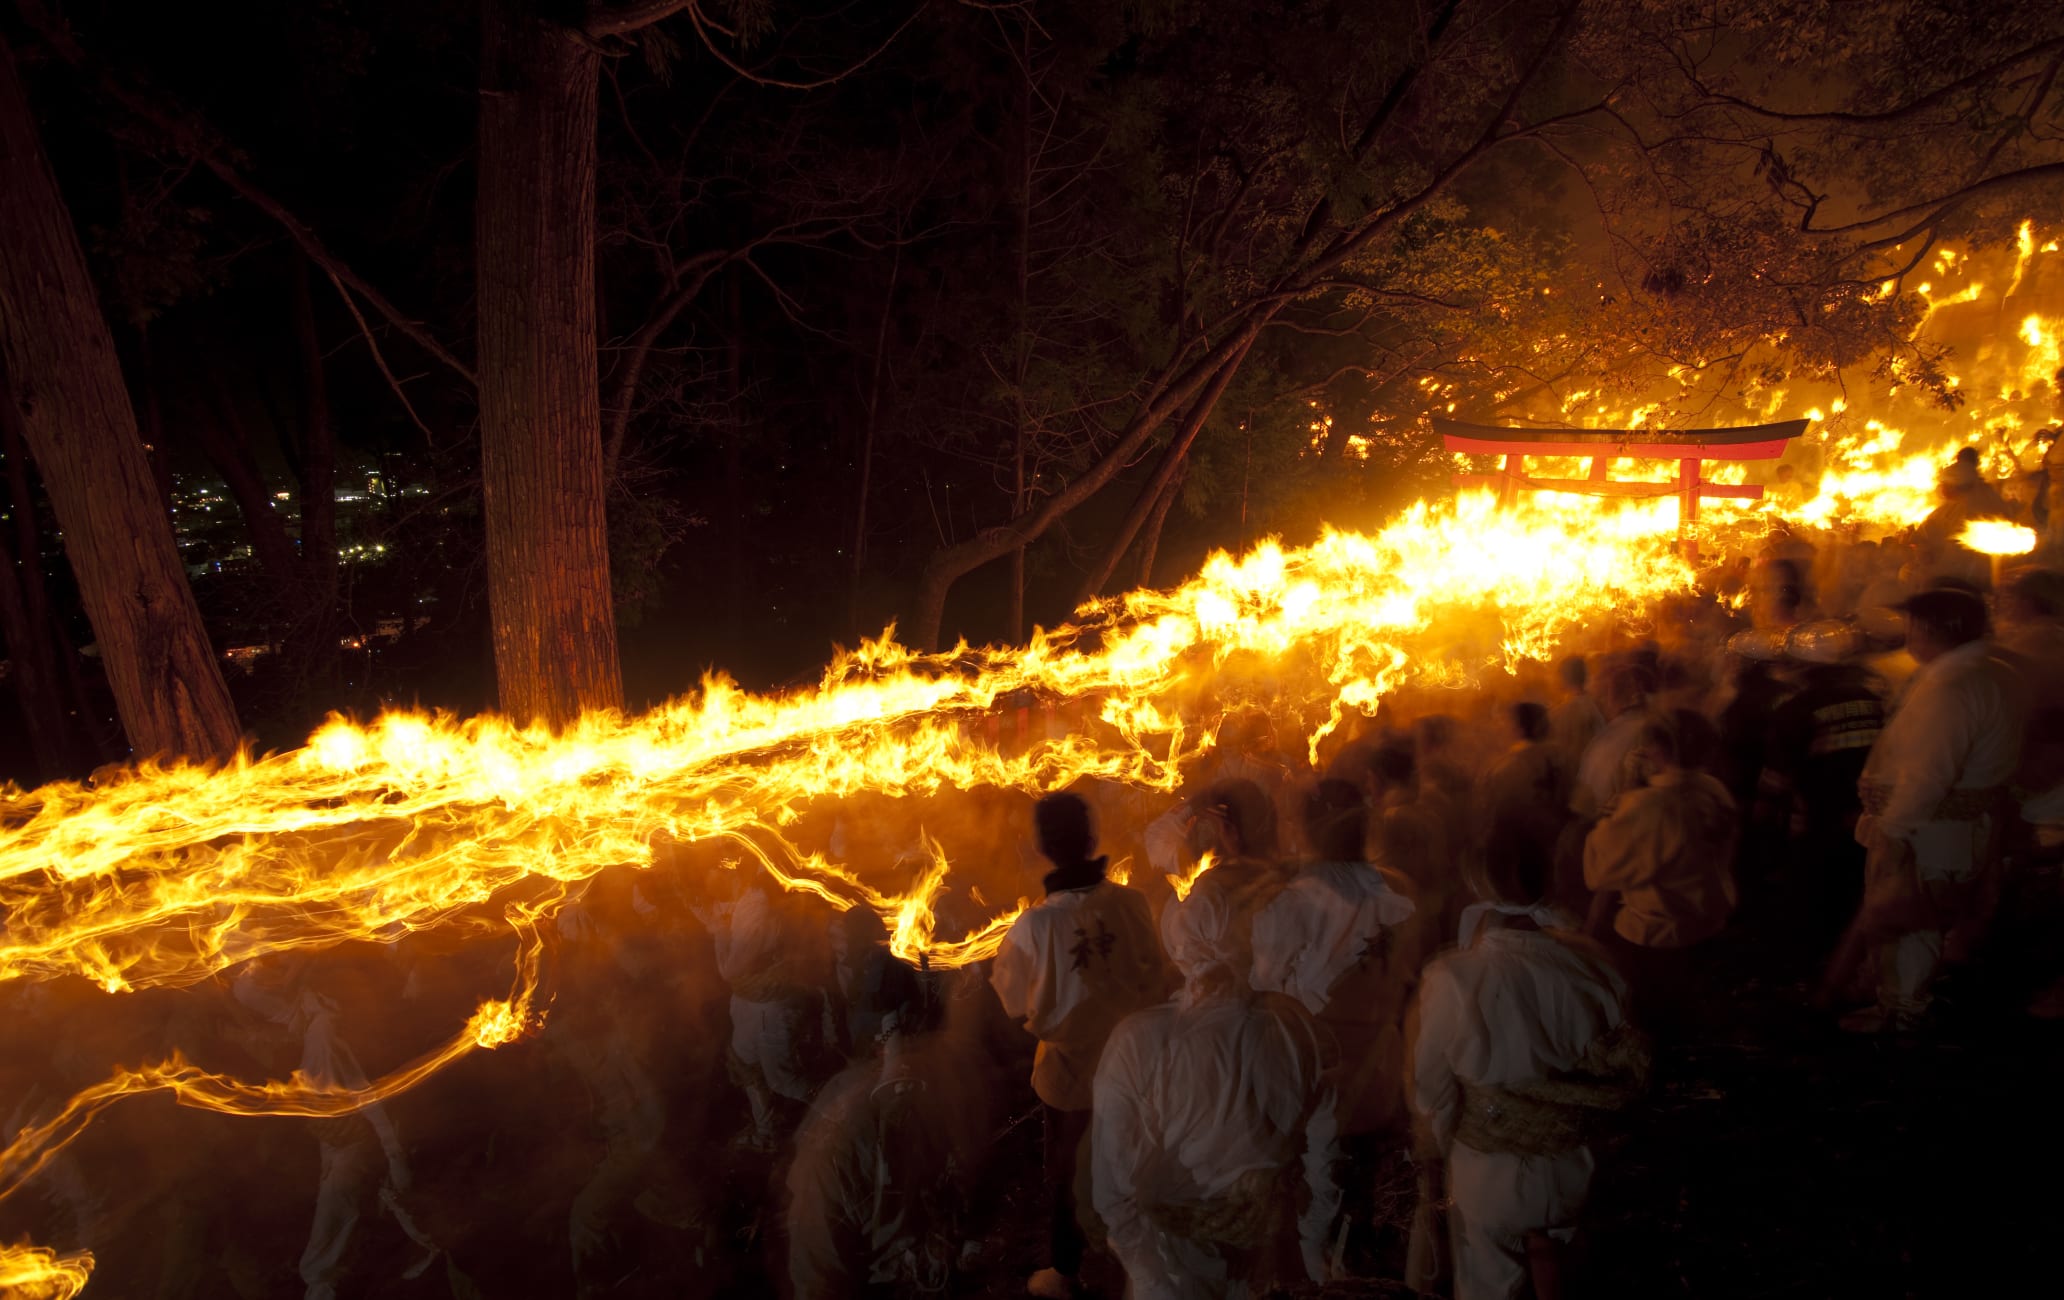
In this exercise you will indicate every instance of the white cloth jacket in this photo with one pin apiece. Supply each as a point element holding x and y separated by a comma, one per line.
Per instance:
<point>1332,917</point>
<point>1072,966</point>
<point>1958,727</point>
<point>1190,1103</point>
<point>1519,1005</point>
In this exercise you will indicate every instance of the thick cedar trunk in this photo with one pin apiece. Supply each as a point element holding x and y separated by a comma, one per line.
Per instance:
<point>312,639</point>
<point>60,359</point>
<point>540,408</point>
<point>731,510</point>
<point>1022,275</point>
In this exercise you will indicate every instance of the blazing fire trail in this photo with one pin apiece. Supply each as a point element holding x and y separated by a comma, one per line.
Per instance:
<point>167,876</point>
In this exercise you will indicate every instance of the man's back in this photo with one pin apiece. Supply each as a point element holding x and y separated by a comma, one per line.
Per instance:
<point>1334,918</point>
<point>1204,1114</point>
<point>1071,967</point>
<point>1222,1088</point>
<point>1958,728</point>
<point>1819,739</point>
<point>1668,849</point>
<point>1516,1006</point>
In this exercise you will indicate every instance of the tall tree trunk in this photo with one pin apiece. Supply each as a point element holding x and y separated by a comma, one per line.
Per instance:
<point>1150,540</point>
<point>1022,361</point>
<point>867,432</point>
<point>730,582</point>
<point>312,640</point>
<point>60,360</point>
<point>540,406</point>
<point>151,418</point>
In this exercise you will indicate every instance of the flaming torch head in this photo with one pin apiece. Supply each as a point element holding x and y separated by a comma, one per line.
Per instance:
<point>1997,537</point>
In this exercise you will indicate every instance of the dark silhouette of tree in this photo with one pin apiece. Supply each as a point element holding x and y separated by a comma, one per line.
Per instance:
<point>76,416</point>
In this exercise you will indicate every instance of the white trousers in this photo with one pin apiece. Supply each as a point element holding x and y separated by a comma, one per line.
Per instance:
<point>1498,1200</point>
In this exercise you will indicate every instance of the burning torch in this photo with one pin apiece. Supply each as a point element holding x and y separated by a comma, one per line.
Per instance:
<point>2000,540</point>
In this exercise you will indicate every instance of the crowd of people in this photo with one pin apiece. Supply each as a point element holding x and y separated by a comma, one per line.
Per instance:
<point>1466,935</point>
<point>1459,943</point>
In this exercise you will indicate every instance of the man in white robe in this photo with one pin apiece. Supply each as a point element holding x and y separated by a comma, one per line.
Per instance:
<point>1213,1113</point>
<point>1933,793</point>
<point>1072,966</point>
<point>1332,940</point>
<point>1503,1026</point>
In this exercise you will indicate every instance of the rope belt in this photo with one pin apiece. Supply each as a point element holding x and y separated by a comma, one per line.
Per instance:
<point>1548,1117</point>
<point>1956,806</point>
<point>1244,1216</point>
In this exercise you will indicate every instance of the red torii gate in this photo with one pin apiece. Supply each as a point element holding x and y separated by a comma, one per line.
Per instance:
<point>1690,448</point>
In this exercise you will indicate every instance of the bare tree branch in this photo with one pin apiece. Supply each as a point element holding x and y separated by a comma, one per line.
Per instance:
<point>373,346</point>
<point>620,20</point>
<point>193,139</point>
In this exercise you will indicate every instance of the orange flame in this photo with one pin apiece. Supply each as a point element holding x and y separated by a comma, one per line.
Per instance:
<point>1997,537</point>
<point>1184,883</point>
<point>166,875</point>
<point>38,1273</point>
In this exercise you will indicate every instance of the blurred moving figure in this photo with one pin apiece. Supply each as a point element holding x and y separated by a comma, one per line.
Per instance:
<point>1212,1113</point>
<point>1602,772</point>
<point>774,956</point>
<point>1806,796</point>
<point>868,981</point>
<point>1338,940</point>
<point>1933,794</point>
<point>363,1165</point>
<point>1406,835</point>
<point>872,1190</point>
<point>1072,966</point>
<point>1522,1046</point>
<point>1662,868</point>
<point>2031,639</point>
<point>626,957</point>
<point>1577,718</point>
<point>1235,822</point>
<point>1527,782</point>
